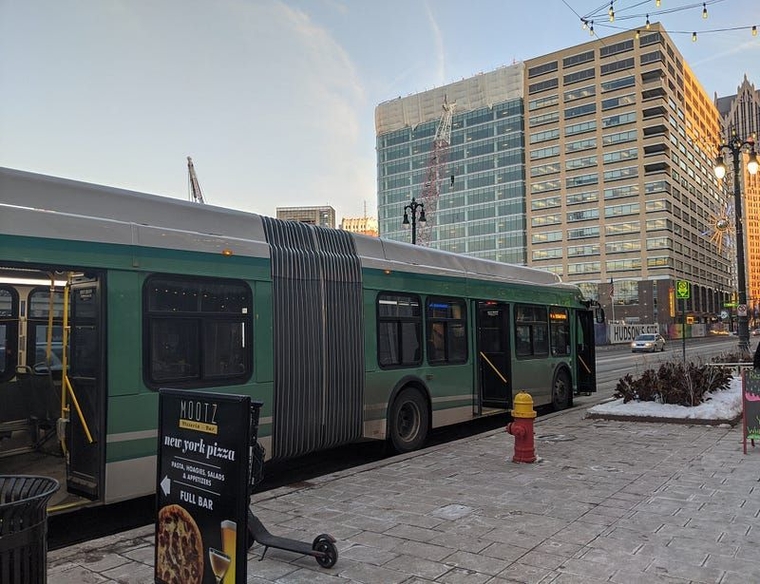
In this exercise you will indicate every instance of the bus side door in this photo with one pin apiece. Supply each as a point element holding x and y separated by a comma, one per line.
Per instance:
<point>493,354</point>
<point>85,463</point>
<point>585,361</point>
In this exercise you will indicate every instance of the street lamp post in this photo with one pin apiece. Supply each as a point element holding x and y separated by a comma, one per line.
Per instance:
<point>736,146</point>
<point>413,207</point>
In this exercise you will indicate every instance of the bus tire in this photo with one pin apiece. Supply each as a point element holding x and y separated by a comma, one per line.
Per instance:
<point>408,421</point>
<point>562,391</point>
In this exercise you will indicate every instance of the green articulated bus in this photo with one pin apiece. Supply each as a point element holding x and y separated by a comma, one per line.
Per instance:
<point>107,295</point>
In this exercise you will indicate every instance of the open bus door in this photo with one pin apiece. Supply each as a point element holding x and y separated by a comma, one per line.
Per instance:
<point>585,361</point>
<point>493,355</point>
<point>85,430</point>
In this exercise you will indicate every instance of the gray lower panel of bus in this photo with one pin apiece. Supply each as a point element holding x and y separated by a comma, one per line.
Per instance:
<point>318,338</point>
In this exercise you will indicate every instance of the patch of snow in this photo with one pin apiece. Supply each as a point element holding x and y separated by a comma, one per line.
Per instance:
<point>722,405</point>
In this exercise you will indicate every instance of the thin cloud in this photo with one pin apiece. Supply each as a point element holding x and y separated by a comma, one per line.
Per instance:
<point>440,53</point>
<point>739,49</point>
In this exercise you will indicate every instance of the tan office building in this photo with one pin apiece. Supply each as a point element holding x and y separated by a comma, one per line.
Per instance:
<point>621,197</point>
<point>364,225</point>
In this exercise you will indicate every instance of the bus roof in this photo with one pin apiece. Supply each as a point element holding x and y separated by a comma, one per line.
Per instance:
<point>89,212</point>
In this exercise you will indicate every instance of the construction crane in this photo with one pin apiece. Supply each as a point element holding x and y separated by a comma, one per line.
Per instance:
<point>435,170</point>
<point>193,187</point>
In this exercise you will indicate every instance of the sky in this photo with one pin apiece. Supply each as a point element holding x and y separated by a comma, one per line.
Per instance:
<point>274,100</point>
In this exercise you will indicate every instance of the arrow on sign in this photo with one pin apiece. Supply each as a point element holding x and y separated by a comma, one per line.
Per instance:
<point>166,485</point>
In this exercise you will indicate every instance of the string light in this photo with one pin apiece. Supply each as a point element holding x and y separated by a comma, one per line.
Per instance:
<point>588,23</point>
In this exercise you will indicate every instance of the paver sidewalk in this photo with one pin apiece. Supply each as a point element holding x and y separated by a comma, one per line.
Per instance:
<point>610,501</point>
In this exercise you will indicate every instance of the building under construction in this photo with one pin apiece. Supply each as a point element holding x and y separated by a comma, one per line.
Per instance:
<point>472,188</point>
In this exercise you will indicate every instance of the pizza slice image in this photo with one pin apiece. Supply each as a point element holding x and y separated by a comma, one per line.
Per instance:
<point>179,547</point>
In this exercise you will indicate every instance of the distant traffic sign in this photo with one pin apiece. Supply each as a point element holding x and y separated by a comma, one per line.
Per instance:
<point>683,289</point>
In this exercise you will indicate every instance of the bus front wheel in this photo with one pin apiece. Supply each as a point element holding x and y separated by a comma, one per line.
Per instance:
<point>408,422</point>
<point>562,391</point>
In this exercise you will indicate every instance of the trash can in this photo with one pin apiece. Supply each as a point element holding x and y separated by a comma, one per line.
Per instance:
<point>23,528</point>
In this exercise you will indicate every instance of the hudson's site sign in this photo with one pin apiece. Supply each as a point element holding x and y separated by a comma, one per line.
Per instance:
<point>202,488</point>
<point>625,333</point>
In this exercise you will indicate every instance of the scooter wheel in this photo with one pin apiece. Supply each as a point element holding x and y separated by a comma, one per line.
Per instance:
<point>328,553</point>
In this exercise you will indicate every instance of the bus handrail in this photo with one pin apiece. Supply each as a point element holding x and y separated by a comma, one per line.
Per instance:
<point>482,354</point>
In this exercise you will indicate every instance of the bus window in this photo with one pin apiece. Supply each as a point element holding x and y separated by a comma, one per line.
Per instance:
<point>38,325</point>
<point>39,304</point>
<point>226,349</point>
<point>197,331</point>
<point>399,330</point>
<point>559,322</point>
<point>8,332</point>
<point>523,345</point>
<point>531,331</point>
<point>446,331</point>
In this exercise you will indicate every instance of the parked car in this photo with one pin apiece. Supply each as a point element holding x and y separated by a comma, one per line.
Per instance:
<point>649,342</point>
<point>756,332</point>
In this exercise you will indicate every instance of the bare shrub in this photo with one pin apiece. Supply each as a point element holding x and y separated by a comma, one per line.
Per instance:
<point>675,383</point>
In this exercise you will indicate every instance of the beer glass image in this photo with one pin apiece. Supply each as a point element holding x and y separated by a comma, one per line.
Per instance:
<point>229,543</point>
<point>220,564</point>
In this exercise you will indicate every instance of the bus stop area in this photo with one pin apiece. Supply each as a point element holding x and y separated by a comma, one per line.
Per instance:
<point>608,501</point>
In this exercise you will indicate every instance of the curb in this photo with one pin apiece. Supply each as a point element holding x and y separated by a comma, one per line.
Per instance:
<point>658,420</point>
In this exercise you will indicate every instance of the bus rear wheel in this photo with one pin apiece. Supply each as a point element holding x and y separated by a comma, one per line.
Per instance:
<point>562,391</point>
<point>408,422</point>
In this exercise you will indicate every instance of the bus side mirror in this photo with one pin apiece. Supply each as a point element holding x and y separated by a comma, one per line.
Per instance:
<point>599,314</point>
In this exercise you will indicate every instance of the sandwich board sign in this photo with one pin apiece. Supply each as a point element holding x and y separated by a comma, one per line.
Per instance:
<point>202,487</point>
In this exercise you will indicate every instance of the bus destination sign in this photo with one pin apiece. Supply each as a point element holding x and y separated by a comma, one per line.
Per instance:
<point>202,487</point>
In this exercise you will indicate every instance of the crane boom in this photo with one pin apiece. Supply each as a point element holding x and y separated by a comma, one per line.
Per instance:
<point>435,168</point>
<point>194,187</point>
